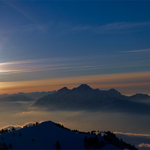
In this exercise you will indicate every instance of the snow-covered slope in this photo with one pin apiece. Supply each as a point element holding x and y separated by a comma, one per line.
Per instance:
<point>45,136</point>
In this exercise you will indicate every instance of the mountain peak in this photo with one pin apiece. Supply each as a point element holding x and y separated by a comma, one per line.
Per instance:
<point>140,96</point>
<point>113,90</point>
<point>63,89</point>
<point>114,93</point>
<point>84,87</point>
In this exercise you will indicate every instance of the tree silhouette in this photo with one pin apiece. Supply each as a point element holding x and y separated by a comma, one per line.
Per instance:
<point>13,129</point>
<point>3,144</point>
<point>2,131</point>
<point>10,145</point>
<point>93,132</point>
<point>112,139</point>
<point>57,145</point>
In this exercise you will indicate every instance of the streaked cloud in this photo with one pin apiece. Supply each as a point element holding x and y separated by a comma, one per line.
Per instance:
<point>133,134</point>
<point>115,26</point>
<point>81,28</point>
<point>55,29</point>
<point>65,27</point>
<point>122,25</point>
<point>107,81</point>
<point>136,51</point>
<point>95,62</point>
<point>35,65</point>
<point>49,68</point>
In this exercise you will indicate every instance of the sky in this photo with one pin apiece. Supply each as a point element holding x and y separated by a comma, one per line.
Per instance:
<point>46,45</point>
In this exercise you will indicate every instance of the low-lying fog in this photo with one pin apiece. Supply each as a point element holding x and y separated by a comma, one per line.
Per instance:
<point>19,113</point>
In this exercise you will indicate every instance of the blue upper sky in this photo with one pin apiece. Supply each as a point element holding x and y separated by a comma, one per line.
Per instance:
<point>55,39</point>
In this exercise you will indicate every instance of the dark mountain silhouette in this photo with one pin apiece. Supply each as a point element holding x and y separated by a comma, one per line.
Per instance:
<point>86,98</point>
<point>36,95</point>
<point>139,97</point>
<point>50,135</point>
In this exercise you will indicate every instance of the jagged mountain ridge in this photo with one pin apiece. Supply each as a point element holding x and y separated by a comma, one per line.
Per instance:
<point>139,96</point>
<point>86,98</point>
<point>80,95</point>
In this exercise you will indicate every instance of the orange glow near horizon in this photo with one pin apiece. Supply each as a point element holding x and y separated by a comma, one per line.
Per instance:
<point>126,83</point>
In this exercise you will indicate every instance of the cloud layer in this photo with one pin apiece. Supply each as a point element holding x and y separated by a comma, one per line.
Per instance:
<point>144,145</point>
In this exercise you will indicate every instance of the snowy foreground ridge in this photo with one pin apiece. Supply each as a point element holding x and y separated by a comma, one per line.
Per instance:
<point>49,135</point>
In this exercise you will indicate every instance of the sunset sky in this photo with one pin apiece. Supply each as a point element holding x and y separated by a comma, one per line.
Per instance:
<point>46,45</point>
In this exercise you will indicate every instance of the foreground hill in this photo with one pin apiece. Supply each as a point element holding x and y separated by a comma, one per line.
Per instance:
<point>86,98</point>
<point>49,135</point>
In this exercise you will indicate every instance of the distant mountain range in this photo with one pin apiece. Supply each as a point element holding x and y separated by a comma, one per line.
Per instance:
<point>15,98</point>
<point>23,96</point>
<point>86,98</point>
<point>139,97</point>
<point>54,136</point>
<point>81,98</point>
